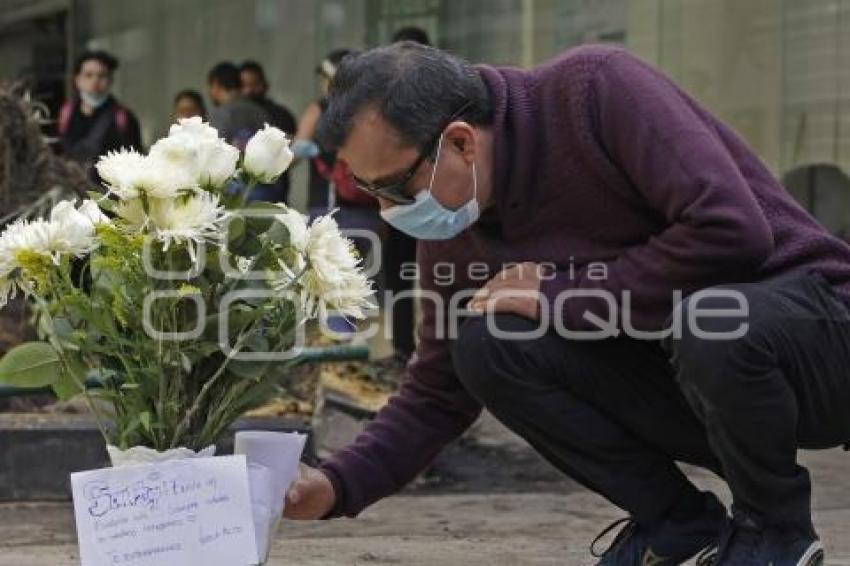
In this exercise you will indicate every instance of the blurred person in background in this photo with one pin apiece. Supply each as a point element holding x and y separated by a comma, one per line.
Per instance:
<point>236,117</point>
<point>189,103</point>
<point>93,122</point>
<point>331,185</point>
<point>255,87</point>
<point>412,33</point>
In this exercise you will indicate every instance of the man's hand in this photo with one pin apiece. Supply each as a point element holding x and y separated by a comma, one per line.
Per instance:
<point>514,290</point>
<point>311,496</point>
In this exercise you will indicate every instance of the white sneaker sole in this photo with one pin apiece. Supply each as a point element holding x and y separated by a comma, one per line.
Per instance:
<point>813,555</point>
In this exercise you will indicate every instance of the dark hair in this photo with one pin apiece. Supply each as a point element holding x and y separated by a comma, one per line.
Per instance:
<point>335,57</point>
<point>253,67</point>
<point>412,33</point>
<point>102,57</point>
<point>195,96</point>
<point>226,75</point>
<point>415,88</point>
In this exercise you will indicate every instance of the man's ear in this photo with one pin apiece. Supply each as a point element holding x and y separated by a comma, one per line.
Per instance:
<point>461,138</point>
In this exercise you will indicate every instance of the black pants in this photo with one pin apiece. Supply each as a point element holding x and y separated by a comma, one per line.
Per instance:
<point>616,414</point>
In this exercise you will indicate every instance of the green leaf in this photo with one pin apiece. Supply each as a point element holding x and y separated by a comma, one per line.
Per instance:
<point>259,216</point>
<point>246,369</point>
<point>236,228</point>
<point>30,365</point>
<point>145,419</point>
<point>247,247</point>
<point>104,203</point>
<point>278,233</point>
<point>70,378</point>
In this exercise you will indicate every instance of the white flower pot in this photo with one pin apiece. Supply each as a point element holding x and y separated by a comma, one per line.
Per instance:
<point>144,455</point>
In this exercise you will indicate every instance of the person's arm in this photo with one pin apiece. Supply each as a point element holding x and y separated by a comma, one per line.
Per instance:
<point>431,409</point>
<point>307,123</point>
<point>303,145</point>
<point>675,159</point>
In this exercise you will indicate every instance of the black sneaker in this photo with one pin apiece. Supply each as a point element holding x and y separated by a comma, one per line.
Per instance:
<point>748,545</point>
<point>668,543</point>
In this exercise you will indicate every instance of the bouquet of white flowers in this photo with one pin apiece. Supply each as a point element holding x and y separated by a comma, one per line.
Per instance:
<point>172,293</point>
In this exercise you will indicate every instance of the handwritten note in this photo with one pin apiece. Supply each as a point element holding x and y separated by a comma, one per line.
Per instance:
<point>193,511</point>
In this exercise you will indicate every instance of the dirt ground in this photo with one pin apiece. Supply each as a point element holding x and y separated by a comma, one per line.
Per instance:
<point>489,501</point>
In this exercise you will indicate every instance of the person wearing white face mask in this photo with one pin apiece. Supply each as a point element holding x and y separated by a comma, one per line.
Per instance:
<point>426,218</point>
<point>93,122</point>
<point>587,207</point>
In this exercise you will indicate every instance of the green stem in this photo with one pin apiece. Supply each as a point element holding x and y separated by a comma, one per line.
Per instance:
<point>196,405</point>
<point>53,338</point>
<point>243,197</point>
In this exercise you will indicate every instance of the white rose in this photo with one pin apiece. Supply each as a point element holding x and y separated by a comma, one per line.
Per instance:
<point>217,161</point>
<point>267,154</point>
<point>194,127</point>
<point>177,151</point>
<point>196,147</point>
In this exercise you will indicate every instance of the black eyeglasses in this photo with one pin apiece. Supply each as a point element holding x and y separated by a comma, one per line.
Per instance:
<point>394,192</point>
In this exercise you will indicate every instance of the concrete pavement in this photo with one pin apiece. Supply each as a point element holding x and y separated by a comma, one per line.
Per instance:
<point>504,508</point>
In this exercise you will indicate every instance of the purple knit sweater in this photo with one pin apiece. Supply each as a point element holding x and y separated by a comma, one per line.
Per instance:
<point>601,160</point>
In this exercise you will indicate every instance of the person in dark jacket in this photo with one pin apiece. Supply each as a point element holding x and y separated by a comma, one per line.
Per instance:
<point>94,122</point>
<point>236,117</point>
<point>639,290</point>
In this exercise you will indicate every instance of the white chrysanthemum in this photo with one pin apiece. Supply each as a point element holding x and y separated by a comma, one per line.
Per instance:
<point>19,236</point>
<point>69,231</point>
<point>81,219</point>
<point>190,220</point>
<point>330,253</point>
<point>328,275</point>
<point>91,210</point>
<point>296,225</point>
<point>151,176</point>
<point>116,167</point>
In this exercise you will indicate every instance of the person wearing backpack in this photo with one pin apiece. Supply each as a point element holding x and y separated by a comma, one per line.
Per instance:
<point>93,122</point>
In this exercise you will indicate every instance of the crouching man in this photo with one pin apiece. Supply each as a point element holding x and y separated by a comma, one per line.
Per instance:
<point>654,296</point>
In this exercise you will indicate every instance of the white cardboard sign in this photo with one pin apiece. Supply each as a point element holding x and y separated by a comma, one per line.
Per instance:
<point>192,511</point>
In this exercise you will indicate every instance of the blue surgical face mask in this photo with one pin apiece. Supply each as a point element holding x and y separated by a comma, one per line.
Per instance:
<point>93,100</point>
<point>427,219</point>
